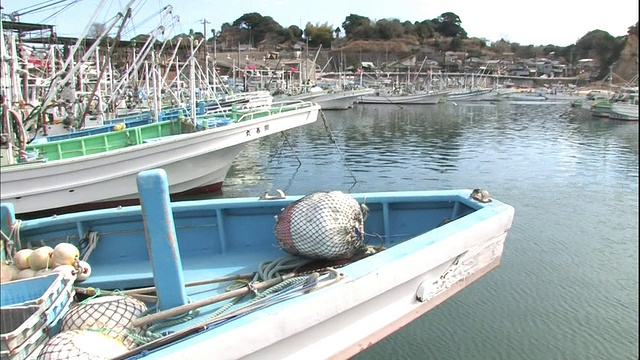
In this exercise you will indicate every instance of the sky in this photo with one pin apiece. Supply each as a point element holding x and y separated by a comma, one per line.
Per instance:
<point>540,22</point>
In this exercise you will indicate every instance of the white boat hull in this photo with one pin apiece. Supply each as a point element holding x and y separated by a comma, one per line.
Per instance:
<point>524,97</point>
<point>195,160</point>
<point>341,100</point>
<point>424,98</point>
<point>473,95</point>
<point>621,111</point>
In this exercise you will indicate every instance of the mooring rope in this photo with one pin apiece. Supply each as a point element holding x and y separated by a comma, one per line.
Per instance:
<point>333,140</point>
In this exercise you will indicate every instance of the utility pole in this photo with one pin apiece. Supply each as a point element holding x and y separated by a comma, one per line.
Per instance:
<point>206,54</point>
<point>204,34</point>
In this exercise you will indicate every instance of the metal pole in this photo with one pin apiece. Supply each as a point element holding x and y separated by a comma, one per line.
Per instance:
<point>192,85</point>
<point>2,56</point>
<point>156,90</point>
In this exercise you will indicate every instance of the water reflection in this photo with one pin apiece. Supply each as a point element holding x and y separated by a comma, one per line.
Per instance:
<point>567,286</point>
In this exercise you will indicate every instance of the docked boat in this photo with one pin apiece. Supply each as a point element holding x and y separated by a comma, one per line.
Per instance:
<point>381,97</point>
<point>99,170</point>
<point>524,96</point>
<point>341,99</point>
<point>624,111</point>
<point>625,105</point>
<point>601,109</point>
<point>473,94</point>
<point>319,276</point>
<point>330,99</point>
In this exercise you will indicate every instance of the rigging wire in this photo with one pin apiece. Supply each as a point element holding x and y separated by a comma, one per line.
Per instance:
<point>333,140</point>
<point>23,12</point>
<point>59,11</point>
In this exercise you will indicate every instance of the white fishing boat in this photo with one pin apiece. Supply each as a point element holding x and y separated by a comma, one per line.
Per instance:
<point>524,96</point>
<point>472,94</point>
<point>341,99</point>
<point>100,169</point>
<point>382,97</point>
<point>624,111</point>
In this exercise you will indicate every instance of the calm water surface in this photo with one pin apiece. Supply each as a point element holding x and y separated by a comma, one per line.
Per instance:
<point>567,287</point>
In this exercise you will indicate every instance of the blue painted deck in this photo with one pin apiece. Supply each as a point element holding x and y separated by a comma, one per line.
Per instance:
<point>225,236</point>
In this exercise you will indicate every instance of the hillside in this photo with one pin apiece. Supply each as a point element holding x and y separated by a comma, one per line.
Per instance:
<point>626,68</point>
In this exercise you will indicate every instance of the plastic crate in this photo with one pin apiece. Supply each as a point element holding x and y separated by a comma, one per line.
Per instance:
<point>57,310</point>
<point>18,324</point>
<point>27,348</point>
<point>40,290</point>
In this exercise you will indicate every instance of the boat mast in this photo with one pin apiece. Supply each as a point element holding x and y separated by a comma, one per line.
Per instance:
<point>192,82</point>
<point>156,89</point>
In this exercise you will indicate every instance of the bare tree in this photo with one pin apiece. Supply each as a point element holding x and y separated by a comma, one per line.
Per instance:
<point>96,30</point>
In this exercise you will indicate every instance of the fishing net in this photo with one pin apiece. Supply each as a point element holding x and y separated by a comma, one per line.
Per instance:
<point>321,225</point>
<point>81,345</point>
<point>112,315</point>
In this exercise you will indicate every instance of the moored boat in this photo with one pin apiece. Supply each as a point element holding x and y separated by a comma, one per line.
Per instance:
<point>98,170</point>
<point>624,111</point>
<point>626,106</point>
<point>406,252</point>
<point>601,109</point>
<point>341,99</point>
<point>472,94</point>
<point>427,98</point>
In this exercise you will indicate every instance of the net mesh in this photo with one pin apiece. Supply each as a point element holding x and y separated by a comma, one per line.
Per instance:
<point>81,344</point>
<point>321,225</point>
<point>110,314</point>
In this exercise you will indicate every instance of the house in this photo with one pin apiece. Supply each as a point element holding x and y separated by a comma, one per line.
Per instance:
<point>403,63</point>
<point>519,69</point>
<point>559,70</point>
<point>367,66</point>
<point>544,67</point>
<point>454,57</point>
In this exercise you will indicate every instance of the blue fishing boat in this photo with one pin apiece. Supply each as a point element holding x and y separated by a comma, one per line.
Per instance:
<point>319,276</point>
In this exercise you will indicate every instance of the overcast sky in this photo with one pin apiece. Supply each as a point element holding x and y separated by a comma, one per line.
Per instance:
<point>540,22</point>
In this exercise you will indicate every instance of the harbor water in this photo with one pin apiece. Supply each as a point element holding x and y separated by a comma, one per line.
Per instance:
<point>567,287</point>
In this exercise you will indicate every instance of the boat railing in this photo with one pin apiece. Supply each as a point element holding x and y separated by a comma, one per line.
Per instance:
<point>275,108</point>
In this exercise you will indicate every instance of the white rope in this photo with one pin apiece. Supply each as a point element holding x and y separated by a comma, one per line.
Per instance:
<point>92,243</point>
<point>13,240</point>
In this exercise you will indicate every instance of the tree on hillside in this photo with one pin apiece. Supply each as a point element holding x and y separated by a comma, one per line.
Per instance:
<point>353,22</point>
<point>255,27</point>
<point>448,24</point>
<point>293,33</point>
<point>319,35</point>
<point>424,30</point>
<point>456,44</point>
<point>229,36</point>
<point>388,29</point>
<point>603,47</point>
<point>96,30</point>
